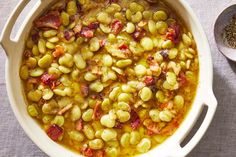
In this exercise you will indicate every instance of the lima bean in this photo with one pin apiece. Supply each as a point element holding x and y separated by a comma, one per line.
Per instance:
<point>109,134</point>
<point>79,61</point>
<point>88,131</point>
<point>76,136</point>
<point>144,145</point>
<point>75,113</point>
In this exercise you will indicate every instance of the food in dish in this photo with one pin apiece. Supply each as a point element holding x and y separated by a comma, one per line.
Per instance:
<point>109,78</point>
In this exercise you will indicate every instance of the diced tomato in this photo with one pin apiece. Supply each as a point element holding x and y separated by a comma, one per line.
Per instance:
<point>54,132</point>
<point>116,26</point>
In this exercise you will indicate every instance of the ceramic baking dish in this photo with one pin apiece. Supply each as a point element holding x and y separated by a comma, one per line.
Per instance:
<point>171,147</point>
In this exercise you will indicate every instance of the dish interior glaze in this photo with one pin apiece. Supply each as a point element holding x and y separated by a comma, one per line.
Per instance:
<point>109,78</point>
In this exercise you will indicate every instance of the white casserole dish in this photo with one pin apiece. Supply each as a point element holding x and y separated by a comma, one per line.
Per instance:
<point>171,147</point>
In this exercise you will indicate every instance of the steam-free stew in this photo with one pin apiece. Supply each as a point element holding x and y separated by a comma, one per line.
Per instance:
<point>109,78</point>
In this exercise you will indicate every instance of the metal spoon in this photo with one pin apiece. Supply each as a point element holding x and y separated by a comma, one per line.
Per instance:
<point>223,20</point>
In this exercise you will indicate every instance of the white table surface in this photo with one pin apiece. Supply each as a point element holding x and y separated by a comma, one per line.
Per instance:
<point>220,139</point>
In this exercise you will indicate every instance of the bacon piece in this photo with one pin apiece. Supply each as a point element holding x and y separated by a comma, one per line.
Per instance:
<point>84,89</point>
<point>97,96</point>
<point>48,79</point>
<point>162,76</point>
<point>35,37</point>
<point>134,120</point>
<point>182,79</point>
<point>97,111</point>
<point>54,132</point>
<point>55,84</point>
<point>68,34</point>
<point>118,125</point>
<point>86,32</point>
<point>173,33</point>
<point>164,54</point>
<point>149,80</point>
<point>153,88</point>
<point>66,108</point>
<point>93,25</point>
<point>102,42</point>
<point>151,126</point>
<point>79,125</point>
<point>50,20</point>
<point>59,50</point>
<point>150,59</point>
<point>138,34</point>
<point>122,78</point>
<point>87,152</point>
<point>27,53</point>
<point>116,26</point>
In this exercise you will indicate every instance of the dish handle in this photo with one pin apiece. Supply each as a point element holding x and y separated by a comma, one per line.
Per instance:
<point>5,39</point>
<point>211,103</point>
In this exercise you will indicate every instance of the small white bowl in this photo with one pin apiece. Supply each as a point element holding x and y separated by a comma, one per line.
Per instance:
<point>171,147</point>
<point>223,20</point>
